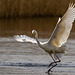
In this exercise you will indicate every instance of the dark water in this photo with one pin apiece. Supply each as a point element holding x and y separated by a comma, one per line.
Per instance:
<point>44,26</point>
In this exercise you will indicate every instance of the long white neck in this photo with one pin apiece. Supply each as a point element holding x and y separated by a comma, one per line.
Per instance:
<point>36,37</point>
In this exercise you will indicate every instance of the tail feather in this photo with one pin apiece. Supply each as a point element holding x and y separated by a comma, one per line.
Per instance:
<point>62,49</point>
<point>59,55</point>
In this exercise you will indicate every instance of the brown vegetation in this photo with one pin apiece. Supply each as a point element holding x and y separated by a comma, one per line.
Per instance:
<point>25,8</point>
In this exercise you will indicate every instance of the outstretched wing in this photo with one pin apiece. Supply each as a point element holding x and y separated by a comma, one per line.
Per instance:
<point>24,38</point>
<point>63,28</point>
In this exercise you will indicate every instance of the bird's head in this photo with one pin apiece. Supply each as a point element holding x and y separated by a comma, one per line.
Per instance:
<point>34,32</point>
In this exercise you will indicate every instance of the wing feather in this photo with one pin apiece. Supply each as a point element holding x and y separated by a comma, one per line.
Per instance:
<point>24,38</point>
<point>63,28</point>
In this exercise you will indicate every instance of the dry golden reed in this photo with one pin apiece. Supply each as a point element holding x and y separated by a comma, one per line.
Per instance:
<point>29,8</point>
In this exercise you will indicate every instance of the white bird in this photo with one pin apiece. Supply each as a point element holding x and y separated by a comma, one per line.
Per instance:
<point>56,44</point>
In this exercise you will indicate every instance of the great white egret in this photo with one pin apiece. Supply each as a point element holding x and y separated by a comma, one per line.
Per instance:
<point>56,44</point>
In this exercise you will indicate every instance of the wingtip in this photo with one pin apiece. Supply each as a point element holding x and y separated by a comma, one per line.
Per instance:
<point>59,20</point>
<point>71,4</point>
<point>16,37</point>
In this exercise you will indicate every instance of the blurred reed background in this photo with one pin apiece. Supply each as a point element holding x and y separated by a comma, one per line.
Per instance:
<point>21,16</point>
<point>27,8</point>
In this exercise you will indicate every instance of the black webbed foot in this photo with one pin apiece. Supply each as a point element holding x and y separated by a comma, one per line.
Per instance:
<point>49,72</point>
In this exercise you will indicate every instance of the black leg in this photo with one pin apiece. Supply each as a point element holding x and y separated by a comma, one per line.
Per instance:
<point>50,64</point>
<point>52,67</point>
<point>53,64</point>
